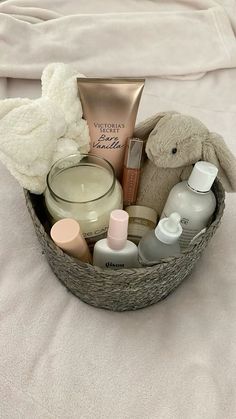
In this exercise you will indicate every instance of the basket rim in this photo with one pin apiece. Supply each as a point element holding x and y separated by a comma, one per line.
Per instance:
<point>95,269</point>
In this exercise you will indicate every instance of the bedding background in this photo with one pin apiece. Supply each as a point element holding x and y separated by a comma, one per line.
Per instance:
<point>59,357</point>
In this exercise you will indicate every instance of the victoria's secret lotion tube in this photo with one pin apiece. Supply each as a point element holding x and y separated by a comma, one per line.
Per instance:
<point>110,107</point>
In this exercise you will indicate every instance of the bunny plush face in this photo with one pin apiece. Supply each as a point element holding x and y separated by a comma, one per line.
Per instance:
<point>176,141</point>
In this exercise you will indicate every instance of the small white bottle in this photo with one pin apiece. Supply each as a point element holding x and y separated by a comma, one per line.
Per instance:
<point>116,252</point>
<point>162,242</point>
<point>194,201</point>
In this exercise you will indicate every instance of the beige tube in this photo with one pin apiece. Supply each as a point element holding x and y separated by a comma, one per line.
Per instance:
<point>67,235</point>
<point>110,107</point>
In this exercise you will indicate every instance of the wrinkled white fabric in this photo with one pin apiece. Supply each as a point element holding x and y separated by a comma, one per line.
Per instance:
<point>174,38</point>
<point>36,133</point>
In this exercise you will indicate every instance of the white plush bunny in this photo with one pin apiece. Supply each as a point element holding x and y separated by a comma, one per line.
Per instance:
<point>174,142</point>
<point>36,133</point>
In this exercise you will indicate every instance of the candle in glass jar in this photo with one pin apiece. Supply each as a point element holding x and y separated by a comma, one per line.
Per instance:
<point>87,192</point>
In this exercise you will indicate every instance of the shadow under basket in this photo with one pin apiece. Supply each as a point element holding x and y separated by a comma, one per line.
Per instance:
<point>124,289</point>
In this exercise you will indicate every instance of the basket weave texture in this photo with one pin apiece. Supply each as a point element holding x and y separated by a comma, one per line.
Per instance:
<point>123,289</point>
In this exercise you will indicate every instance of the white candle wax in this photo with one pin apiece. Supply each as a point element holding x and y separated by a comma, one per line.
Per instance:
<point>84,192</point>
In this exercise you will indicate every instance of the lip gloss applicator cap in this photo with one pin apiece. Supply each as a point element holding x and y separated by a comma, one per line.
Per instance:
<point>118,229</point>
<point>133,153</point>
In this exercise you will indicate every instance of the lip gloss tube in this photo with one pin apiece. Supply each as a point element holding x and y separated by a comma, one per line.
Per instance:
<point>131,172</point>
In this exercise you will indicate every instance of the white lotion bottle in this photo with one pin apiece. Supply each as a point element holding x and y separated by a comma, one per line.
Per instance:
<point>116,252</point>
<point>162,242</point>
<point>194,201</point>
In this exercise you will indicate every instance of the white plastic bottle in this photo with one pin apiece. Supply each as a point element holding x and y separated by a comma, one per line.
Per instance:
<point>162,242</point>
<point>116,252</point>
<point>194,201</point>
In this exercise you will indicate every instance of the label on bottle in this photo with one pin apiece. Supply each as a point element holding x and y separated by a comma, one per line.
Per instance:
<point>130,185</point>
<point>187,236</point>
<point>189,232</point>
<point>108,139</point>
<point>114,265</point>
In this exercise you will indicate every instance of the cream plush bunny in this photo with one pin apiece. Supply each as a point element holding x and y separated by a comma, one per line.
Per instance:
<point>174,142</point>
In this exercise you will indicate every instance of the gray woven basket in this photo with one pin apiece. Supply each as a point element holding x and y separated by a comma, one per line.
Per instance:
<point>124,289</point>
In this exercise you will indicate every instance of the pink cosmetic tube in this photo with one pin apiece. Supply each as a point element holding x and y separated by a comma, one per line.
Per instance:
<point>110,107</point>
<point>66,234</point>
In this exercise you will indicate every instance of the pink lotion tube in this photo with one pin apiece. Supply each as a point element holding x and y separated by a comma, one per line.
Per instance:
<point>110,107</point>
<point>67,235</point>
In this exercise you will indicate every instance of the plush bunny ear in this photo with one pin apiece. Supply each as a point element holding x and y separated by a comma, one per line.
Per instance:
<point>215,151</point>
<point>59,84</point>
<point>144,128</point>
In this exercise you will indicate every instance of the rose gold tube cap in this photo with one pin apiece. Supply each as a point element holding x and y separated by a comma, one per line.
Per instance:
<point>118,229</point>
<point>66,234</point>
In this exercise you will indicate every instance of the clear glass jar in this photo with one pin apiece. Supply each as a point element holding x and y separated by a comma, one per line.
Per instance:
<point>83,187</point>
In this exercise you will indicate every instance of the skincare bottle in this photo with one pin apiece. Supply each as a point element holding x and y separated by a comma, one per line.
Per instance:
<point>66,234</point>
<point>131,171</point>
<point>193,200</point>
<point>116,252</point>
<point>162,242</point>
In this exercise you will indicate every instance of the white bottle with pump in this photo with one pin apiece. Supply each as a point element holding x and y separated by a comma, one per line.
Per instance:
<point>162,242</point>
<point>116,252</point>
<point>194,201</point>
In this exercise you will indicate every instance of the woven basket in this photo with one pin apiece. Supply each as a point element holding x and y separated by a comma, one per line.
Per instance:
<point>124,289</point>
